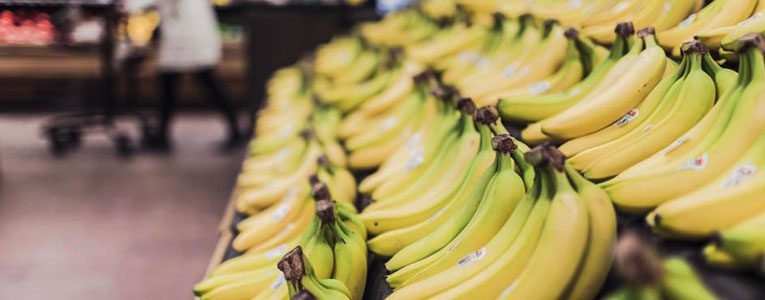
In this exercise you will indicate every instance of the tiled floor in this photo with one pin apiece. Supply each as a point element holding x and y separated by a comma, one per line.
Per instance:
<point>93,226</point>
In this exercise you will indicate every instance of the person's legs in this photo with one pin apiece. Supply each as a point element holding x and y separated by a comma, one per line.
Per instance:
<point>168,84</point>
<point>220,99</point>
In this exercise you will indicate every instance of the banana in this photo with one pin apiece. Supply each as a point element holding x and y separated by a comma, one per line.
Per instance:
<point>277,290</point>
<point>439,8</point>
<point>726,82</point>
<point>419,153</point>
<point>364,66</point>
<point>569,13</point>
<point>370,149</point>
<point>599,255</point>
<point>686,216</point>
<point>350,260</point>
<point>626,124</point>
<point>642,16</point>
<point>288,233</point>
<point>681,282</point>
<point>445,43</point>
<point>253,278</point>
<point>609,14</point>
<point>417,211</point>
<point>567,75</point>
<point>259,197</point>
<point>283,211</point>
<point>551,53</point>
<point>746,123</point>
<point>616,100</point>
<point>482,257</point>
<point>566,228</point>
<point>242,289</point>
<point>694,99</point>
<point>488,270</point>
<point>524,108</point>
<point>753,24</point>
<point>348,96</point>
<point>744,241</point>
<point>716,257</point>
<point>338,56</point>
<point>427,148</point>
<point>466,148</point>
<point>717,14</point>
<point>399,88</point>
<point>675,12</point>
<point>493,68</point>
<point>499,199</point>
<point>253,261</point>
<point>298,270</point>
<point>467,198</point>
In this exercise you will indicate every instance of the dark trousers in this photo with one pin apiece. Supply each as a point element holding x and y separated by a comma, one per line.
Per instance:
<point>215,93</point>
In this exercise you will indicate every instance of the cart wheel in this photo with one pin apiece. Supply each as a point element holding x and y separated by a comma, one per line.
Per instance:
<point>74,138</point>
<point>124,145</point>
<point>56,146</point>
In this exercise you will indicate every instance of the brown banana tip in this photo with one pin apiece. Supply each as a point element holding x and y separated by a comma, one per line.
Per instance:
<point>554,156</point>
<point>313,179</point>
<point>320,192</point>
<point>441,92</point>
<point>751,40</point>
<point>307,133</point>
<point>694,46</point>
<point>657,219</point>
<point>717,238</point>
<point>636,262</point>
<point>423,76</point>
<point>487,115</point>
<point>503,143</point>
<point>550,22</point>
<point>625,29</point>
<point>323,161</point>
<point>292,265</point>
<point>325,210</point>
<point>303,295</point>
<point>498,16</point>
<point>466,105</point>
<point>525,16</point>
<point>548,153</point>
<point>571,33</point>
<point>646,32</point>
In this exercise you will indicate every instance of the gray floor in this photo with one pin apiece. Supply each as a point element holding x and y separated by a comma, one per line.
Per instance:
<point>93,226</point>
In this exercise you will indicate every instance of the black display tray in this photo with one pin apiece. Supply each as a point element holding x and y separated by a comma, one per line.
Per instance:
<point>729,285</point>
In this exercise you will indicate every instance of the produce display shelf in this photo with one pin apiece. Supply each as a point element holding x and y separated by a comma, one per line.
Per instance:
<point>731,285</point>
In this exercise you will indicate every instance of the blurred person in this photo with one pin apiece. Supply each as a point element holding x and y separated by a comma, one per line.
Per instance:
<point>188,44</point>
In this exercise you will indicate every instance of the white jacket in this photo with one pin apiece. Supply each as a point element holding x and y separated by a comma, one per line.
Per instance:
<point>189,34</point>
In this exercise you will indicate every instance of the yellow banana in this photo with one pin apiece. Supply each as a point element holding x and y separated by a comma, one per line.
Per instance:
<point>615,101</point>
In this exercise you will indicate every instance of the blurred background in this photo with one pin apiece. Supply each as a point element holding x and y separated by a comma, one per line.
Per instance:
<point>92,206</point>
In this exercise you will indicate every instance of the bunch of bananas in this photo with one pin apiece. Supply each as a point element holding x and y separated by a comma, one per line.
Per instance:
<point>674,106</point>
<point>649,277</point>
<point>296,138</point>
<point>334,239</point>
<point>399,29</point>
<point>700,183</point>
<point>507,237</point>
<point>628,82</point>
